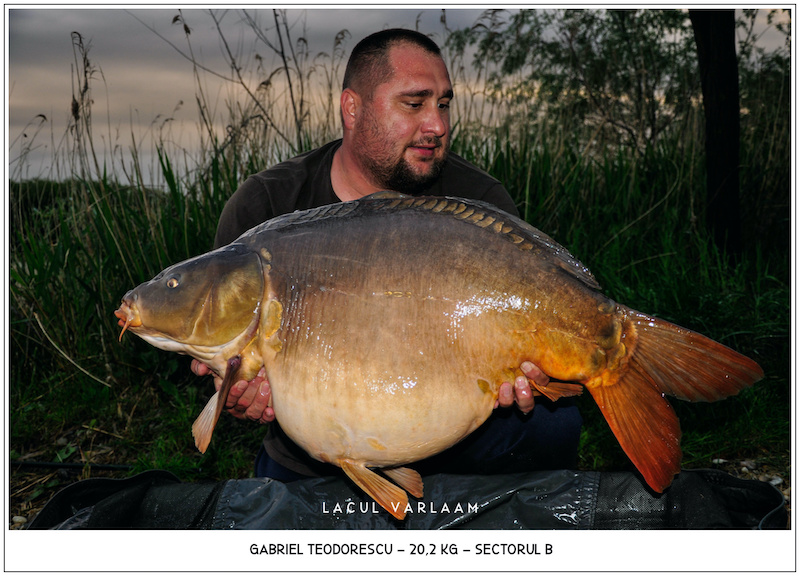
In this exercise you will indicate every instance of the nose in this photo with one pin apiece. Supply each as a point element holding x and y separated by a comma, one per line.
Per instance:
<point>436,121</point>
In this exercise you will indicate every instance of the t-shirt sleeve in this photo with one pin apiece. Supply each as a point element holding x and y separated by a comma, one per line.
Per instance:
<point>299,183</point>
<point>498,196</point>
<point>461,178</point>
<point>247,207</point>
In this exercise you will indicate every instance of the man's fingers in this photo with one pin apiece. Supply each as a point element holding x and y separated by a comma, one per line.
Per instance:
<point>235,394</point>
<point>267,416</point>
<point>256,410</point>
<point>523,394</point>
<point>248,395</point>
<point>532,371</point>
<point>199,368</point>
<point>251,400</point>
<point>505,395</point>
<point>246,400</point>
<point>520,392</point>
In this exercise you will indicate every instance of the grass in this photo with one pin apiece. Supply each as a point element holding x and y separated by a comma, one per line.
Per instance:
<point>78,395</point>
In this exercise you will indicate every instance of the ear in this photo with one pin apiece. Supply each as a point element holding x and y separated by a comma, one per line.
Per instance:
<point>350,103</point>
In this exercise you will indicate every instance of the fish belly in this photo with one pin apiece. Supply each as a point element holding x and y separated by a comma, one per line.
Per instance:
<point>384,391</point>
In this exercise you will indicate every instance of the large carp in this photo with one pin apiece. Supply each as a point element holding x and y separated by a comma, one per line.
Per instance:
<point>387,325</point>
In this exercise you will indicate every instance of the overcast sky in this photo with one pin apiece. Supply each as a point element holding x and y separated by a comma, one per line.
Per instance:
<point>140,78</point>
<point>144,76</point>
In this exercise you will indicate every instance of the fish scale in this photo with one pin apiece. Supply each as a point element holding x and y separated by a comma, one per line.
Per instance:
<point>485,215</point>
<point>387,325</point>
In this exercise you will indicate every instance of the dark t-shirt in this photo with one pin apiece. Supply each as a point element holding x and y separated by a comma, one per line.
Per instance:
<point>305,182</point>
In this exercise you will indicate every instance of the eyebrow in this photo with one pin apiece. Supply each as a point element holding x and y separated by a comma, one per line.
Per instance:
<point>425,94</point>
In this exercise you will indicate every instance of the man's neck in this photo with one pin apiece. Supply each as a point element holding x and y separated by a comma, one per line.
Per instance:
<point>347,179</point>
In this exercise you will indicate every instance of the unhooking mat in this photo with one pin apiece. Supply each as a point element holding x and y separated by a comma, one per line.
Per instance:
<point>697,499</point>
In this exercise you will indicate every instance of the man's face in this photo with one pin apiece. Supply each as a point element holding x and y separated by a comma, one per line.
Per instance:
<point>403,134</point>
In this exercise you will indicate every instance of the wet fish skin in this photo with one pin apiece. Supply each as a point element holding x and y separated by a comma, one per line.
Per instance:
<point>387,324</point>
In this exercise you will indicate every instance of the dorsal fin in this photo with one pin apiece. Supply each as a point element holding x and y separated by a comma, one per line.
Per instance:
<point>299,217</point>
<point>384,194</point>
<point>476,212</point>
<point>485,215</point>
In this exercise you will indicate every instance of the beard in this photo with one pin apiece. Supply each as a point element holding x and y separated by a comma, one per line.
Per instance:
<point>401,178</point>
<point>390,170</point>
<point>398,176</point>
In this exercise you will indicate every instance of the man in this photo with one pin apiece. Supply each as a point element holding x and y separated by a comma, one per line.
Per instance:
<point>396,135</point>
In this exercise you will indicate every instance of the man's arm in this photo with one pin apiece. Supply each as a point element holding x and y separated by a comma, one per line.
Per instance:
<point>498,196</point>
<point>247,207</point>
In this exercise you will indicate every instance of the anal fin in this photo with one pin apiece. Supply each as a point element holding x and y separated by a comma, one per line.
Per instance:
<point>392,498</point>
<point>406,478</point>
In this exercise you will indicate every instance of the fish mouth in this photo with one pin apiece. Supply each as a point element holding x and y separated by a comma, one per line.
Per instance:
<point>128,317</point>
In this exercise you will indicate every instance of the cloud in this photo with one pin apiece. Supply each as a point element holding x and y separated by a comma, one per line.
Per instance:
<point>139,78</point>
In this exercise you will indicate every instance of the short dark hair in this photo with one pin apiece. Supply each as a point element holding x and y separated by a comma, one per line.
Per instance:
<point>369,61</point>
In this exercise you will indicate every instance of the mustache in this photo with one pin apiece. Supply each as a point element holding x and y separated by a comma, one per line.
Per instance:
<point>429,141</point>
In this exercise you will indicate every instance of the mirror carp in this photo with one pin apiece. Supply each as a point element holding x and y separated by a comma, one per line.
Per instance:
<point>387,324</point>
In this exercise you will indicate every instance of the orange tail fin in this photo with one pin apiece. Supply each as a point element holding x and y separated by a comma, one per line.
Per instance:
<point>645,426</point>
<point>686,364</point>
<point>664,359</point>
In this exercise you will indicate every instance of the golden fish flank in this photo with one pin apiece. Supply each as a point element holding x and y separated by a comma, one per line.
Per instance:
<point>387,324</point>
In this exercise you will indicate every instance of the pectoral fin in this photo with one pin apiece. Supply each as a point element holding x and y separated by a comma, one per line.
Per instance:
<point>393,499</point>
<point>203,427</point>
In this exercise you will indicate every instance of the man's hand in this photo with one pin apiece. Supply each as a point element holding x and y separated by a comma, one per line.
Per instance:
<point>246,400</point>
<point>521,391</point>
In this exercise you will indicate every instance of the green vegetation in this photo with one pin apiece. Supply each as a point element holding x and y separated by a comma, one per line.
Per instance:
<point>624,195</point>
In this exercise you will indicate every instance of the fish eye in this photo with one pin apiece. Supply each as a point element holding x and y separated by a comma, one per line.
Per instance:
<point>173,282</point>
